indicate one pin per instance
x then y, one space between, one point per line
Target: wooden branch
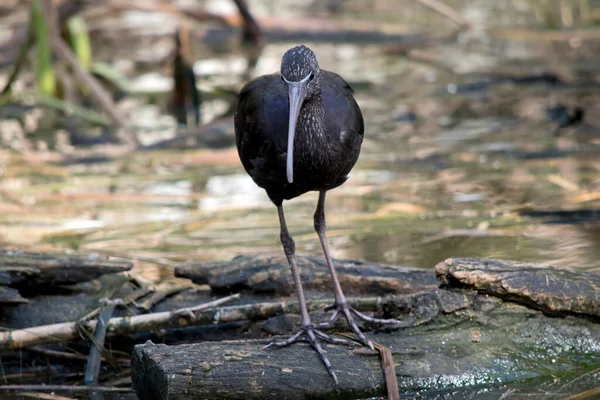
555 290
98 93
66 331
63 388
92 370
270 273
43 396
160 293
189 316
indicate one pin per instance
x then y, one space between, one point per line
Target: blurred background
482 129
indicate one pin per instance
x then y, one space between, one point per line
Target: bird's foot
350 313
313 337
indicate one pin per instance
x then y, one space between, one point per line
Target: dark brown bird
297 131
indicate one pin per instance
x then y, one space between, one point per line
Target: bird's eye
311 77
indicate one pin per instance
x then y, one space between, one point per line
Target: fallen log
10 296
554 290
55 269
271 273
454 341
451 340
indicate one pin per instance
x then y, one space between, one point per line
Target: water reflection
232 191
458 144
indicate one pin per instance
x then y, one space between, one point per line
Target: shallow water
451 165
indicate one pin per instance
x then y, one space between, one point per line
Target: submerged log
271 273
454 341
55 269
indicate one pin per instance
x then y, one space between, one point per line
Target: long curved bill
296 94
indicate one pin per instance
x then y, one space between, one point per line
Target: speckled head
300 72
298 63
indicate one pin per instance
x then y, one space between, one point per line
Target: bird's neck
312 118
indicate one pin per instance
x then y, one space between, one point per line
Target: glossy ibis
297 131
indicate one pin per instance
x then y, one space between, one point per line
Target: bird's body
329 134
297 131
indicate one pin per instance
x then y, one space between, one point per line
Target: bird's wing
343 117
261 127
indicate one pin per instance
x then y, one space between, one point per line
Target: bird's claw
349 313
312 335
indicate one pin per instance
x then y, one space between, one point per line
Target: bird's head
300 72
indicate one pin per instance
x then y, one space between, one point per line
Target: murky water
458 160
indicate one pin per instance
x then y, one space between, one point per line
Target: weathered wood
555 290
12 275
271 273
450 341
10 296
66 331
192 316
56 269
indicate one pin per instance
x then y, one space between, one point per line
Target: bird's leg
308 332
341 304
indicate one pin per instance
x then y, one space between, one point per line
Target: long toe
372 320
351 315
313 336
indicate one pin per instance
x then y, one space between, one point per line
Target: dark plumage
297 131
329 133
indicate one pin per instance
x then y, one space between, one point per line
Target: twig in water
161 293
92 369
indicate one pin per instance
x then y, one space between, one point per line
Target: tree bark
554 290
54 269
449 341
271 273
455 342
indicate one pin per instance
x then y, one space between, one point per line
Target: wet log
554 290
19 267
271 274
459 341
12 275
470 339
